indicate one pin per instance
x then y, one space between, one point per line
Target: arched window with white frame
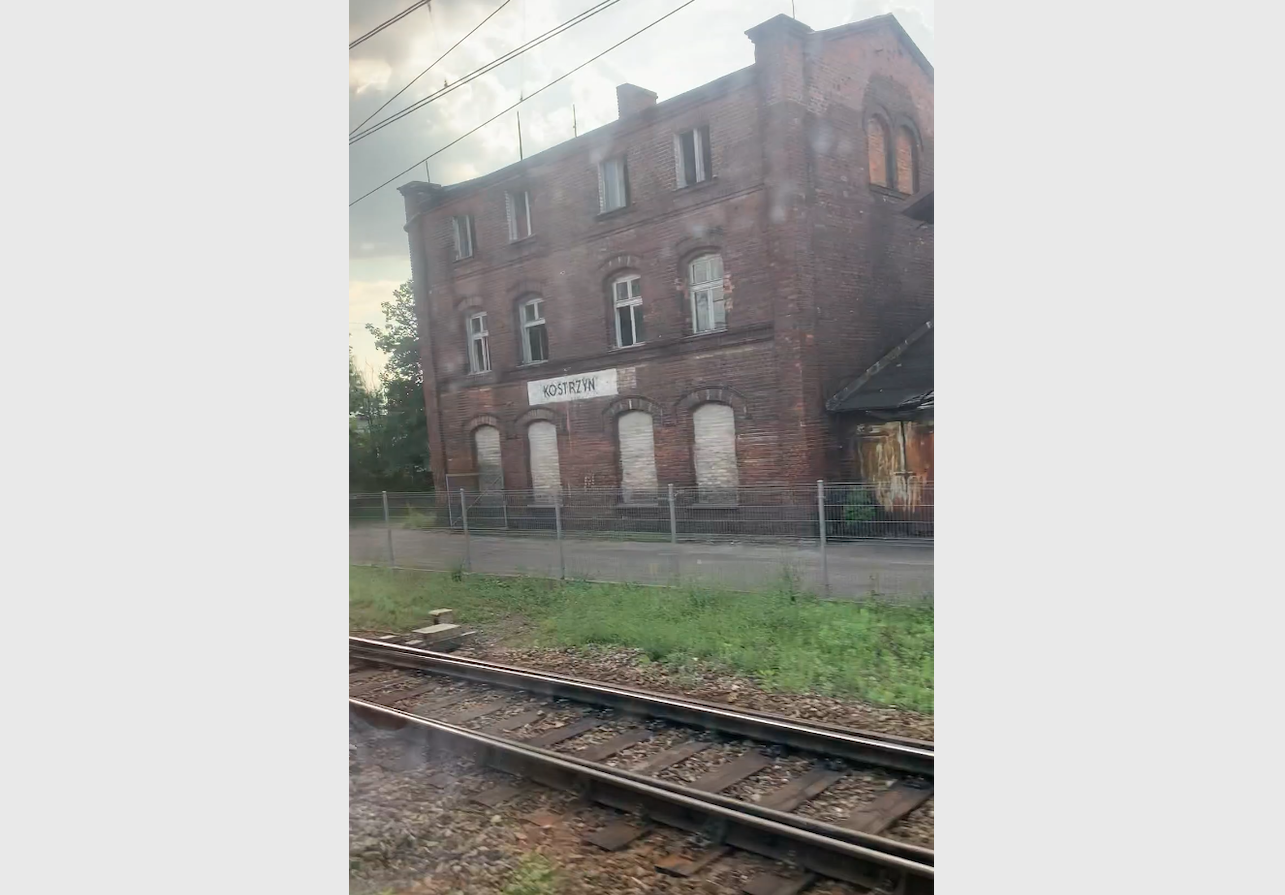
479 344
534 333
705 287
626 296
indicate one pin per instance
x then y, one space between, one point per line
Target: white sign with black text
578 387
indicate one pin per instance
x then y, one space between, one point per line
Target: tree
392 453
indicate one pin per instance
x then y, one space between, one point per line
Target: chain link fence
835 539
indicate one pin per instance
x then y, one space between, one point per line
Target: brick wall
820 272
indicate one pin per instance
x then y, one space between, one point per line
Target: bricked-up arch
627 403
483 419
906 159
487 457
540 413
714 452
719 394
879 150
636 450
543 460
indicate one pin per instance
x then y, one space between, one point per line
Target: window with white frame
518 205
705 284
692 159
626 294
462 226
535 337
479 348
613 184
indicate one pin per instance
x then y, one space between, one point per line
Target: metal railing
840 538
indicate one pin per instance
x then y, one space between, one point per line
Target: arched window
879 148
479 345
705 286
715 452
486 444
626 298
546 476
907 161
637 456
534 335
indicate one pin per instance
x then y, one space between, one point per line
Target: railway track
745 780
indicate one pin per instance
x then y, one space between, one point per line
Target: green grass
785 640
534 876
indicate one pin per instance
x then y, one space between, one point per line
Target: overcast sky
694 46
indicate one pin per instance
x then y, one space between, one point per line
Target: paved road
890 568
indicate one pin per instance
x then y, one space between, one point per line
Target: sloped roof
900 380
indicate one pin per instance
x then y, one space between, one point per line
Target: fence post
388 530
557 521
825 568
673 531
468 554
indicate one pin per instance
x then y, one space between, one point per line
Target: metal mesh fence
876 539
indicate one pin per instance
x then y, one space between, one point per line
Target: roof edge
848 390
731 81
875 22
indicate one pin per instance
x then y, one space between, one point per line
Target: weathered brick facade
821 274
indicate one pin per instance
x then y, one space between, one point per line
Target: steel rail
676 805
891 752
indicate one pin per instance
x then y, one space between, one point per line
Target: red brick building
673 297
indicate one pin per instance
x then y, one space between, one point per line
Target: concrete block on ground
437 633
442 616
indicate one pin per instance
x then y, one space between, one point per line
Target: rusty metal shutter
546 480
486 439
716 474
637 455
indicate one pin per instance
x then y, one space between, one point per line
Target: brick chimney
631 99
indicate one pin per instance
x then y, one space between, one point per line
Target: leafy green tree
389 450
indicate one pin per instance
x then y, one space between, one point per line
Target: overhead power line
425 71
678 8
394 20
478 72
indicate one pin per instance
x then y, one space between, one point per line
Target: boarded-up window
905 158
637 456
877 147
546 480
486 441
716 475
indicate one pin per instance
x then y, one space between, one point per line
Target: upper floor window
535 338
692 160
613 184
627 297
879 149
518 205
479 348
906 161
462 227
705 283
